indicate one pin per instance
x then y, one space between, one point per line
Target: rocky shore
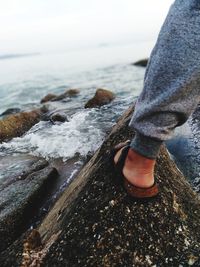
93 222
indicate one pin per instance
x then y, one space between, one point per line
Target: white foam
80 135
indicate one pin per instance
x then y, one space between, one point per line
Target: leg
172 81
171 90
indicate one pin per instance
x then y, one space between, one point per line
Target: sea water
24 81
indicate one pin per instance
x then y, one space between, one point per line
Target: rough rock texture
142 62
18 124
53 97
12 255
101 97
19 196
97 224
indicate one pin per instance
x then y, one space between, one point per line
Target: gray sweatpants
172 81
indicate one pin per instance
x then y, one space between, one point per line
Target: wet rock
141 63
53 97
10 111
33 240
44 109
68 93
32 243
97 224
18 124
72 92
12 255
21 195
58 117
60 97
101 97
9 257
48 98
54 116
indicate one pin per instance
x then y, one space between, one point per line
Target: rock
10 111
48 98
18 124
12 255
95 223
58 117
33 242
34 239
54 116
60 97
142 62
68 93
53 97
9 257
44 109
72 92
21 195
101 97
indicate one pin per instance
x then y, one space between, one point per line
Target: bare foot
138 169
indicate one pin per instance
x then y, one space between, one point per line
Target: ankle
137 161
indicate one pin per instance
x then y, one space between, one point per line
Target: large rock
21 192
18 124
95 223
101 97
142 62
12 255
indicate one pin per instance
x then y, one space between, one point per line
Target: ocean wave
81 135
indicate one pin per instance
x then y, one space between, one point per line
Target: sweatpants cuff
146 146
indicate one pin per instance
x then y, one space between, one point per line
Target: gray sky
54 25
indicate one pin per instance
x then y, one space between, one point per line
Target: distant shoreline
10 56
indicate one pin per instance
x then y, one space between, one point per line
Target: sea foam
81 135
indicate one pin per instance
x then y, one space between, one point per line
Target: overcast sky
54 25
